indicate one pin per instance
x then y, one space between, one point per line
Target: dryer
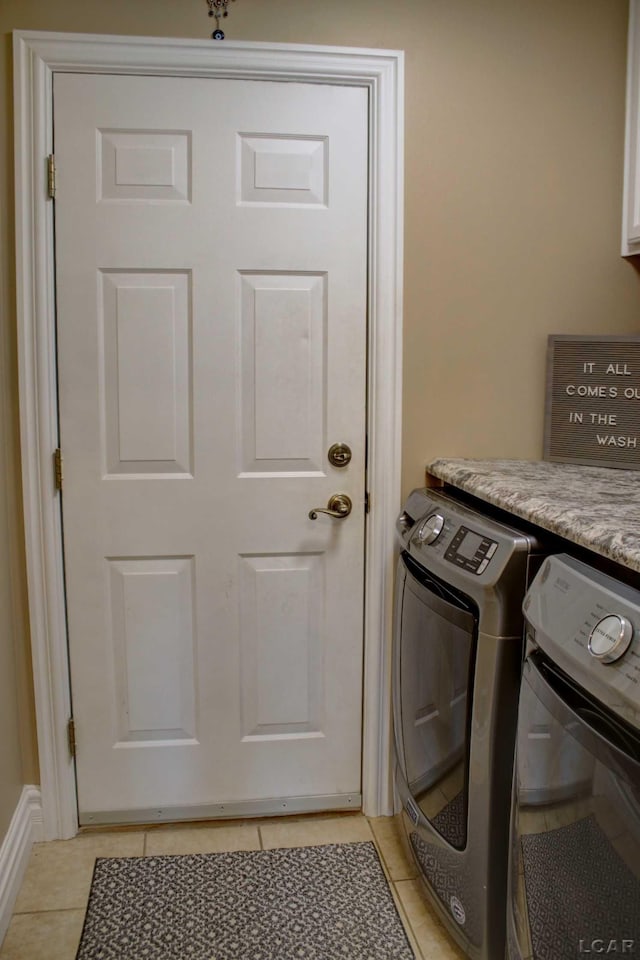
458 648
574 875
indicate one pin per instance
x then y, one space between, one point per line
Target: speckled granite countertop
595 507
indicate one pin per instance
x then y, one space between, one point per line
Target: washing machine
457 658
574 873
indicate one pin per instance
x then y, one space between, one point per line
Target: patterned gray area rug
307 903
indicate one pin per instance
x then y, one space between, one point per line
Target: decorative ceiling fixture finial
218 9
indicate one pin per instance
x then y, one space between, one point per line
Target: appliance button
610 638
483 566
431 528
492 549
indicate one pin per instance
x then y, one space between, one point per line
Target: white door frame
37 56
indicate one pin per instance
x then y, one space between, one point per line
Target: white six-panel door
211 304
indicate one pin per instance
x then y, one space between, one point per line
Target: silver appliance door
436 629
574 872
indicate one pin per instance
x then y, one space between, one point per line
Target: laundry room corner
218 267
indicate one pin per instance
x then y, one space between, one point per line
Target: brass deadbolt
339 454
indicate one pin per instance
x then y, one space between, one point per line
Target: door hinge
367 502
71 736
51 176
57 468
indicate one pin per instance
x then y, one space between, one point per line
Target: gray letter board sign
592 413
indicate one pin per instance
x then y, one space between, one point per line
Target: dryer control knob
610 638
431 528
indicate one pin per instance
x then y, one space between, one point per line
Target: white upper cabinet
631 203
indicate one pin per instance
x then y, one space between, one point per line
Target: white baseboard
26 828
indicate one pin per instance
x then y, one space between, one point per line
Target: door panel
281 636
151 609
146 375
211 283
284 333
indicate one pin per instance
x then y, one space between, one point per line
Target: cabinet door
631 202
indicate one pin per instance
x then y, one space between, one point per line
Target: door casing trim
37 55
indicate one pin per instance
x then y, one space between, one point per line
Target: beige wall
11 770
514 140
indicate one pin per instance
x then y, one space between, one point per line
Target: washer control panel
610 638
470 550
431 528
589 624
464 547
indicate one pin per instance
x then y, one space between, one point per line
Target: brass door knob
339 507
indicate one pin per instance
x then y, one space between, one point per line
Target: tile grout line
393 884
405 919
414 943
34 913
402 913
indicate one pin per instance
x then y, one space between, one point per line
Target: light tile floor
49 912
